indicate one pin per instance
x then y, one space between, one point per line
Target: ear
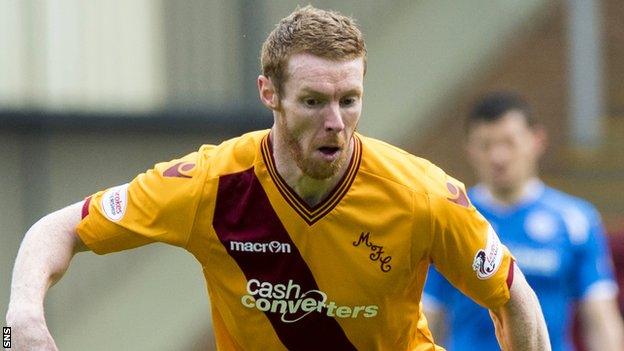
268 93
470 150
469 145
541 139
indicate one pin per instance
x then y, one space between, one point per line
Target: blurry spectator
557 239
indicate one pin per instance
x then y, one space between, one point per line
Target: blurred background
94 92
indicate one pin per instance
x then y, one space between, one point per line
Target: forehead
307 71
510 124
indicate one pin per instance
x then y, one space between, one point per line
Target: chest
358 252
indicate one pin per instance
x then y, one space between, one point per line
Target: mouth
329 153
329 150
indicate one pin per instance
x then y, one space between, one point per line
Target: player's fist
29 331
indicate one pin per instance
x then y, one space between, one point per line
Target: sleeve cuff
601 290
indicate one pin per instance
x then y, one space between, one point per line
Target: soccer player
557 239
311 236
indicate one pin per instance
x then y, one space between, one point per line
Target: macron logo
249 246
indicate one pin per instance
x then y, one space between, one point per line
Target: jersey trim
243 213
510 273
314 213
85 207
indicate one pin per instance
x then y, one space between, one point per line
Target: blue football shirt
559 244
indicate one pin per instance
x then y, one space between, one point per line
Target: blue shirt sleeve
592 254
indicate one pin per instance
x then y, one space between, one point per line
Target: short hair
493 106
323 33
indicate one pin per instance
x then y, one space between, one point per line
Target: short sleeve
594 276
465 249
156 206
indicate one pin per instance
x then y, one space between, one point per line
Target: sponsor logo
460 197
249 246
377 252
115 201
176 170
487 261
293 304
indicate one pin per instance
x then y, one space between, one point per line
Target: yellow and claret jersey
345 274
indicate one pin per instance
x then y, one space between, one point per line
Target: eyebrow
309 90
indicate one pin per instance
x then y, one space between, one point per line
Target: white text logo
248 246
293 304
115 201
487 261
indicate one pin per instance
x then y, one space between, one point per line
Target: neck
311 190
507 197
512 195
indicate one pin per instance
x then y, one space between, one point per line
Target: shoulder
392 164
578 215
233 155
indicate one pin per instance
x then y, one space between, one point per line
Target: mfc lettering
377 252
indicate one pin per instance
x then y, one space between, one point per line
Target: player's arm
467 251
434 299
43 258
602 324
520 323
437 322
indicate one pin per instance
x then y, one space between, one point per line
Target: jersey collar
311 214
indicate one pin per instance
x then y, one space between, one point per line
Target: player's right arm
437 322
156 206
435 300
43 258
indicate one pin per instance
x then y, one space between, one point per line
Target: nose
498 155
333 118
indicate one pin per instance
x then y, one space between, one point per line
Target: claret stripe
243 213
313 214
85 207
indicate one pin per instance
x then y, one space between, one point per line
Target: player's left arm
467 251
519 323
602 324
435 302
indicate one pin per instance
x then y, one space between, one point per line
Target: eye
349 101
311 102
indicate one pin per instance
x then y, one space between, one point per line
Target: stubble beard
315 169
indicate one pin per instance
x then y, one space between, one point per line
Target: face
505 153
318 111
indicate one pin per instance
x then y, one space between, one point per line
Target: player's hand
29 331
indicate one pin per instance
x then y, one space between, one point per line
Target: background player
557 239
310 236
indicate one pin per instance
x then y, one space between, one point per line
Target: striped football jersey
344 274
